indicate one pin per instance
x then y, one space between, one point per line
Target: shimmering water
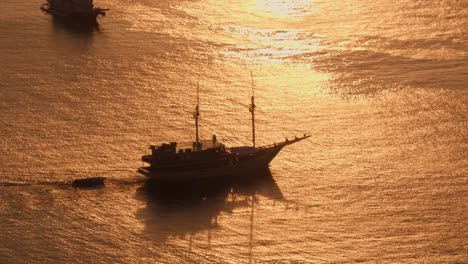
381 86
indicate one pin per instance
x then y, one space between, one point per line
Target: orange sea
382 87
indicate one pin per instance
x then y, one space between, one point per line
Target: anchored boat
89 182
79 11
209 159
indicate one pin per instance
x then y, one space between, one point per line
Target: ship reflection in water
80 28
183 211
83 29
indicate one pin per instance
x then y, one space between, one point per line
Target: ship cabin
172 156
71 5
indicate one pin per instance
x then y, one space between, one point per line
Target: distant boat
76 11
89 182
210 159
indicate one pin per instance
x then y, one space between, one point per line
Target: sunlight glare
285 8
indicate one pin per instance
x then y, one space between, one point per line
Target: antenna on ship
252 110
196 115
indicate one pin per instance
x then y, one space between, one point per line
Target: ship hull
243 166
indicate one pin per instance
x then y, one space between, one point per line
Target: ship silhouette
74 11
210 159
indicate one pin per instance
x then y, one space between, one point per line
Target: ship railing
286 142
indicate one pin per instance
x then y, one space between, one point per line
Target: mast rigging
252 109
196 115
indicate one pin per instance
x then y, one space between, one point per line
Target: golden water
380 85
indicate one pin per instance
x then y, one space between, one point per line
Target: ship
210 159
75 11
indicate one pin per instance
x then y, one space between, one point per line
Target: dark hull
89 182
243 166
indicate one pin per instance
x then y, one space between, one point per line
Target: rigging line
239 103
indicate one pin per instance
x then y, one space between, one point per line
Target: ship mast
196 115
252 110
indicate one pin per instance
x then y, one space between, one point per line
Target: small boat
209 159
89 182
75 11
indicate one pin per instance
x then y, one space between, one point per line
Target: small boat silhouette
89 182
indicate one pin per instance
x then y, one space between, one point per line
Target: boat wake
50 183
77 182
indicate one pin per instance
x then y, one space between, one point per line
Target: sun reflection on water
271 45
285 8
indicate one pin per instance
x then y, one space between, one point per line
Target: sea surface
382 87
